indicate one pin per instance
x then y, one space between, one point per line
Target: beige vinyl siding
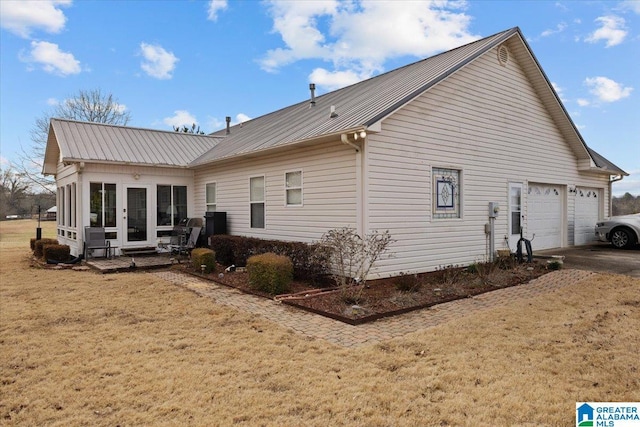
329 188
487 121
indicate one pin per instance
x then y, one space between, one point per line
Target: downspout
611 181
360 183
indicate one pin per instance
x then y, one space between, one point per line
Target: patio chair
95 238
183 240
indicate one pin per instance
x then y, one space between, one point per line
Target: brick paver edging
336 332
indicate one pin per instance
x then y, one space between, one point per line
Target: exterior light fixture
363 134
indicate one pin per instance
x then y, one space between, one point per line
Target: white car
622 231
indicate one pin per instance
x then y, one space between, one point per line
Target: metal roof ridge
126 127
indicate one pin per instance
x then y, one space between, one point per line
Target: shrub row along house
420 151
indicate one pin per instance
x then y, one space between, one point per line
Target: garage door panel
587 213
544 215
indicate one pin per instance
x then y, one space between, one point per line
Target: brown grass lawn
79 348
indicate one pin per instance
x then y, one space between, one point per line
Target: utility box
494 208
216 223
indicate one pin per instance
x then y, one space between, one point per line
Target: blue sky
172 63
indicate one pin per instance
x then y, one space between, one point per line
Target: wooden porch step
147 250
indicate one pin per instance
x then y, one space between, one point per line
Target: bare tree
86 105
13 189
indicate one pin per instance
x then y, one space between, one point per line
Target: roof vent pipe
312 88
228 119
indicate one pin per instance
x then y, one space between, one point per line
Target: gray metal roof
360 106
96 142
357 106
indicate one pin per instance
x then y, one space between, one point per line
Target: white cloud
336 79
355 36
157 61
180 118
52 59
215 6
583 102
561 6
633 5
52 102
559 28
23 16
611 30
214 123
241 117
607 90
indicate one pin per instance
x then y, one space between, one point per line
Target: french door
136 219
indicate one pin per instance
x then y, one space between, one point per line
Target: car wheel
622 238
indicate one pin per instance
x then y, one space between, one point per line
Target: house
51 214
420 151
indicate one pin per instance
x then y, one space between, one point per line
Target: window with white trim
293 188
446 193
102 204
210 196
256 200
172 204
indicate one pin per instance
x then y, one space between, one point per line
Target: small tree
193 129
352 257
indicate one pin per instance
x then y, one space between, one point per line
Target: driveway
601 257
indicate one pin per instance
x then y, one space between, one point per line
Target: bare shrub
407 282
449 274
352 257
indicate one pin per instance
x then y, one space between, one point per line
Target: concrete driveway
601 257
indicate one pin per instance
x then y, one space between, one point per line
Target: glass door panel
136 214
515 214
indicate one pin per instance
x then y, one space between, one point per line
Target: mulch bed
392 296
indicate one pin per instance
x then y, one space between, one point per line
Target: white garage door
544 216
587 214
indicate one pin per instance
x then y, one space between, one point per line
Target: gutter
345 140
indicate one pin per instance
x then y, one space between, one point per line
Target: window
210 197
446 193
293 188
68 208
62 205
172 204
102 204
256 198
73 205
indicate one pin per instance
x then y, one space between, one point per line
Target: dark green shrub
203 256
310 262
57 253
554 265
472 268
270 273
39 245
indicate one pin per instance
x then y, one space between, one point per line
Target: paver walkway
316 326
